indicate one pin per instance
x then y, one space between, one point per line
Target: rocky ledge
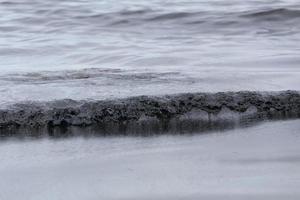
151 113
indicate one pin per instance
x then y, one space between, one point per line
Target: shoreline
146 114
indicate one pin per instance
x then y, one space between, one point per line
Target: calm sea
91 49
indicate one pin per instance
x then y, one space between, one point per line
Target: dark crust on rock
66 113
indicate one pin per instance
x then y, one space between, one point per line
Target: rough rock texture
146 113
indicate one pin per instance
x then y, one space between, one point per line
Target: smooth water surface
261 162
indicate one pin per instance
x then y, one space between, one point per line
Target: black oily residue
191 111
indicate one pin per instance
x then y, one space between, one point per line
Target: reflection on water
260 162
145 129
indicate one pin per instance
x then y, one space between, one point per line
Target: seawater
81 49
261 162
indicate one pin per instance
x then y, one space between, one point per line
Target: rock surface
151 113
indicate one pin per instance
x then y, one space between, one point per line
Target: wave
63 19
274 14
208 16
83 74
145 16
224 22
171 16
137 17
144 114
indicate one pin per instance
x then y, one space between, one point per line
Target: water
92 49
261 162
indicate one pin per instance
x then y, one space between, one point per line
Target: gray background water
83 49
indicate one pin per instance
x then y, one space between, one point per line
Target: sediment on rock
147 113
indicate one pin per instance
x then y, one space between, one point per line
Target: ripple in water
91 49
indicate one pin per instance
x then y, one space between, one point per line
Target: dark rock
146 112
